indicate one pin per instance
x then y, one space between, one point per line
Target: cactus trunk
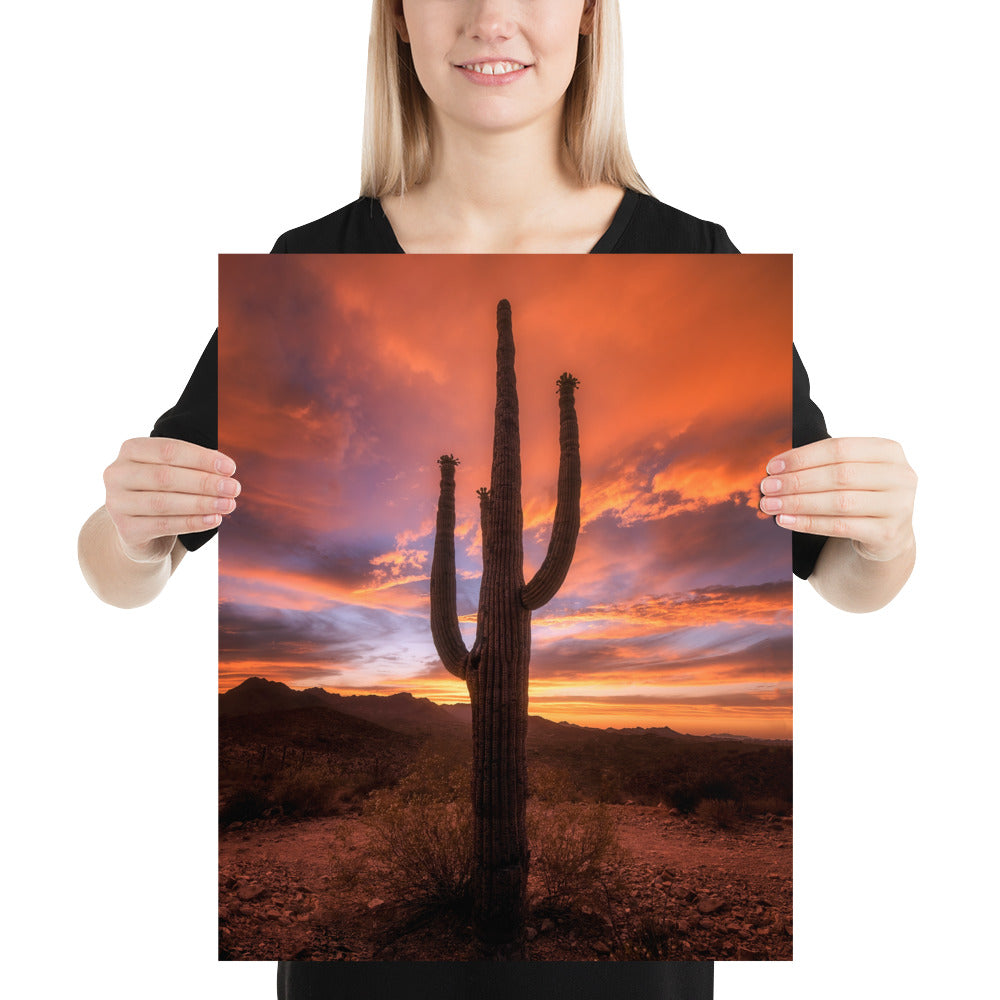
496 670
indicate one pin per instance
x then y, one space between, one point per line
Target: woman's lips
500 75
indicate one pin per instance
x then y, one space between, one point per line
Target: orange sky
344 377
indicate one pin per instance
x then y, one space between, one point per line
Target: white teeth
494 69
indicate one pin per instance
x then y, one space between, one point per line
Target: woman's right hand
159 488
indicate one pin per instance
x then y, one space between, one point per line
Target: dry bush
421 841
574 848
767 804
242 804
311 790
646 939
723 814
549 783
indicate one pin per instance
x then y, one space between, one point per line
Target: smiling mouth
492 68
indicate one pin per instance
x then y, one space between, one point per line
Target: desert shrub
421 829
764 804
573 847
647 939
690 789
306 791
611 788
723 814
313 790
548 783
243 804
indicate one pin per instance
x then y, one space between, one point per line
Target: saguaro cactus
496 668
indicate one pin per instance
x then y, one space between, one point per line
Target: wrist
900 550
152 553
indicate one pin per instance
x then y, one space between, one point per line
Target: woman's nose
490 20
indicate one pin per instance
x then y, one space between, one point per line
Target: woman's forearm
853 583
113 576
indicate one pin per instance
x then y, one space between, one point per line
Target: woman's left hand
856 488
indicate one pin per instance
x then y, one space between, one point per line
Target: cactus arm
484 514
444 605
566 525
477 647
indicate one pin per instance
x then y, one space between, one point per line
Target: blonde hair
396 144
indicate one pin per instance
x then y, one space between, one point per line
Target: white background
142 140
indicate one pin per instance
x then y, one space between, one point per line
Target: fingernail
775 466
225 466
770 485
222 505
771 504
211 519
229 487
786 520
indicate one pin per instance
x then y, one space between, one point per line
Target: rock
588 910
601 948
530 933
712 905
547 925
683 926
249 892
705 924
235 825
373 904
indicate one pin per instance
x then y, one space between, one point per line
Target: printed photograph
505 643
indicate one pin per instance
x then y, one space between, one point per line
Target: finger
833 451
877 538
135 531
866 530
841 503
159 504
875 476
173 452
142 477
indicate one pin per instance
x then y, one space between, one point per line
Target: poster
505 645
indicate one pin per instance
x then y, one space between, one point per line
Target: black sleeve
721 243
808 425
195 416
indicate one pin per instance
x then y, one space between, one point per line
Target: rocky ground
687 891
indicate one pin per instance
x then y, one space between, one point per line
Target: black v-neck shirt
641 224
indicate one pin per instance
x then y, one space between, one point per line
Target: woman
496 127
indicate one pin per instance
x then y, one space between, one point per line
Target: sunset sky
344 377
